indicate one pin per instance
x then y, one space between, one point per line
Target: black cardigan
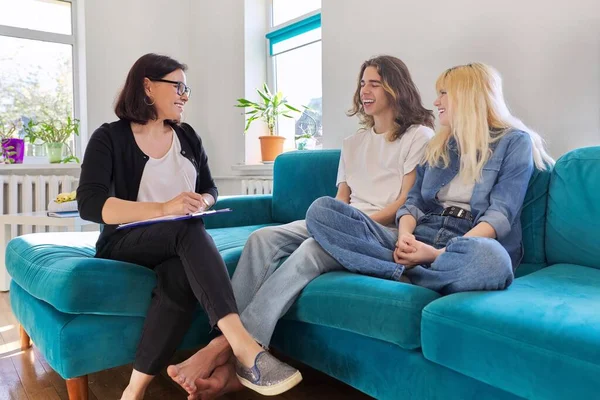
113 165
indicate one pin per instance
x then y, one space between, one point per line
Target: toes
173 371
190 387
203 384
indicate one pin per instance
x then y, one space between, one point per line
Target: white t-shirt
456 193
166 177
374 167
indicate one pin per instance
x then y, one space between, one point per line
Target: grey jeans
263 292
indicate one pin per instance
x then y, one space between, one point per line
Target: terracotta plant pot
271 147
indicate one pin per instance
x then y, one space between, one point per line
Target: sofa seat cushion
539 339
377 308
59 269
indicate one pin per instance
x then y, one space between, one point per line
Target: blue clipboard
151 221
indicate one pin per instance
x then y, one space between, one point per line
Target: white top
374 167
166 177
456 193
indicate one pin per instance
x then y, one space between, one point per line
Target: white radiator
257 186
20 194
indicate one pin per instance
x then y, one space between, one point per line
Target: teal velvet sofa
540 339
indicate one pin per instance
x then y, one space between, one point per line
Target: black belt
457 212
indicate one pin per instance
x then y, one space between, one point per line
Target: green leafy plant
51 132
268 109
6 132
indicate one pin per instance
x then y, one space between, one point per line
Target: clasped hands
411 252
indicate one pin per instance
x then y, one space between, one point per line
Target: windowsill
253 169
39 167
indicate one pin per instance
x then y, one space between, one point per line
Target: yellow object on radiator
64 197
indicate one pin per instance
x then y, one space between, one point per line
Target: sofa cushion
247 210
300 177
526 269
59 268
378 308
533 217
573 219
539 339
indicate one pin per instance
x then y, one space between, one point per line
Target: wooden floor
25 375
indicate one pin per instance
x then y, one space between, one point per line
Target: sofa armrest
247 210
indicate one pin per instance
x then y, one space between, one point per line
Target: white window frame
76 39
271 67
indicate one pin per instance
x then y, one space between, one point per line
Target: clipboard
169 218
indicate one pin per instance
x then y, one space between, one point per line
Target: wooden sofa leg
25 339
78 388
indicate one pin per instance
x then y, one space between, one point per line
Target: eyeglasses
181 87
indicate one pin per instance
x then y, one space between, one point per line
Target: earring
151 104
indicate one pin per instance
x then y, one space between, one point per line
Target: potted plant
13 148
268 109
54 134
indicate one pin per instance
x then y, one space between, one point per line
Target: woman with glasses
145 165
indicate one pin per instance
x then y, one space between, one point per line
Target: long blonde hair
479 117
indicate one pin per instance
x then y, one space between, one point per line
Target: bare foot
201 364
223 380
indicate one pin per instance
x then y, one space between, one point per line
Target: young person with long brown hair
376 172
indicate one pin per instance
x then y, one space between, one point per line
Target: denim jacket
497 198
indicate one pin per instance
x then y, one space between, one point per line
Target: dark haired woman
145 165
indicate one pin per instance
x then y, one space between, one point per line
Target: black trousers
189 270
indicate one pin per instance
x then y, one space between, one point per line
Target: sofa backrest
300 177
533 217
573 221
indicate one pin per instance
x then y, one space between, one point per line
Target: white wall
117 33
547 52
216 76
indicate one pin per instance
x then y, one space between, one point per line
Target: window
38 63
294 42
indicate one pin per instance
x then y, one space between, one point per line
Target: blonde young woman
459 229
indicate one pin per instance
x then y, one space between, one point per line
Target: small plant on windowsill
12 147
268 109
55 135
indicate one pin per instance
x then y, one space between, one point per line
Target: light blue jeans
264 292
366 247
